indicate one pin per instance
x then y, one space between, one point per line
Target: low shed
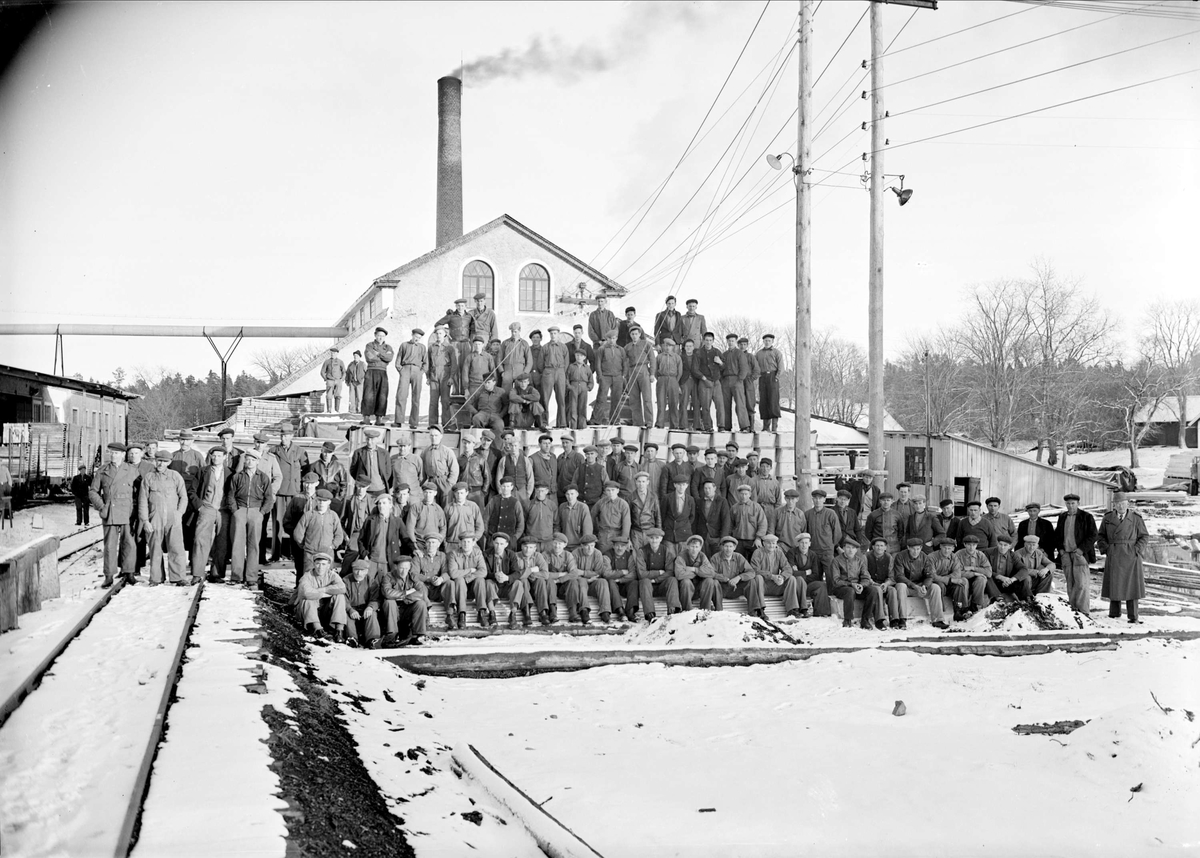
964 470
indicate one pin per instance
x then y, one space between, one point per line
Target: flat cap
224 431
848 543
945 502
768 336
420 332
819 493
522 377
541 484
162 456
480 296
357 352
913 541
566 438
514 326
791 493
372 433
590 448
695 538
770 538
507 478
842 493
460 485
1032 537
460 300
287 429
1033 505
328 447
650 445
361 563
324 494
732 444
381 329
135 445
433 427
187 435
692 448
887 495
323 555
546 436
992 499
611 484
652 532
619 540
681 479
587 539
881 539
261 437
728 540
116 445
631 448
429 486
1004 537
501 535
404 558
249 454
553 329
970 538
1071 496
745 487
559 536
973 503
678 446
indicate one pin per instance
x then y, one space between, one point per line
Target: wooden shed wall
1013 479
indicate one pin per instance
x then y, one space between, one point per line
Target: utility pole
875 288
803 395
928 434
875 404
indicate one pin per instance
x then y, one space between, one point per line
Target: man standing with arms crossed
1075 539
600 322
356 372
375 383
410 363
290 459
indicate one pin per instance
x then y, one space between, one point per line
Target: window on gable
534 289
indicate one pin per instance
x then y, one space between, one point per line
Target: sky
262 163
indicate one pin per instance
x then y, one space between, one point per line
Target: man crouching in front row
320 599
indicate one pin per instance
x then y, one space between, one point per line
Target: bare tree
1068 334
1172 343
280 363
929 373
995 340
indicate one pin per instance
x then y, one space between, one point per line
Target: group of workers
375 540
672 375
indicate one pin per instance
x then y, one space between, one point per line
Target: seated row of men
389 579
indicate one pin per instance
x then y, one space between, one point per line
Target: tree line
1034 359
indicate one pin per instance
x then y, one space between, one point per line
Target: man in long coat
1122 537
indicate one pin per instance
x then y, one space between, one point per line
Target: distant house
1164 421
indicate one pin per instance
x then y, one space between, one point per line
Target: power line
1045 73
842 45
1072 146
1047 107
888 52
707 113
1003 50
1175 13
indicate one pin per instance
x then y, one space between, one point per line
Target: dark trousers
577 396
668 403
439 400
733 398
1131 609
83 511
687 404
869 597
705 401
409 384
819 595
554 381
119 550
375 394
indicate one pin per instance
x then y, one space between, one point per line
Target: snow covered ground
213 765
1152 462
805 756
56 519
69 755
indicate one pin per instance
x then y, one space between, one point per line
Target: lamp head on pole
775 162
902 193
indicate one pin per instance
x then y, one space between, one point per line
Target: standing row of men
672 375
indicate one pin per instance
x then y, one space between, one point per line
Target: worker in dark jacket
864 494
611 366
372 463
707 364
375 383
848 518
667 323
81 486
403 603
827 534
639 367
291 460
362 605
1040 528
735 370
356 372
1075 544
600 322
249 498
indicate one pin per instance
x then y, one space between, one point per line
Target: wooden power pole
803 394
875 404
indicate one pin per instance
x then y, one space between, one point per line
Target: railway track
126 712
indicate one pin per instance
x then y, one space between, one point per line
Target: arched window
534 289
477 277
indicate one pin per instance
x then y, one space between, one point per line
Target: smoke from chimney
550 57
449 161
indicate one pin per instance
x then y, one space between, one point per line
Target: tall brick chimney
449 161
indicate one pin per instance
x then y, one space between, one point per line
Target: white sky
262 163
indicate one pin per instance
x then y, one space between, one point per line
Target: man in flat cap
751 382
610 516
974 525
162 502
623 571
693 569
478 366
362 605
639 365
827 534
600 322
320 599
515 357
535 358
250 499
624 326
356 374
403 604
514 479
1039 527
371 462
524 404
439 463
81 485
769 364
467 572
1001 521
913 567
291 460
210 501
318 531
333 373
509 575
707 363
1037 563
611 366
668 371
852 581
375 383
569 466
354 515
692 325
1075 541
483 320
735 372
554 363
667 323
458 324
333 473
656 575
972 566
579 383
713 519
410 364
1009 574
864 493
443 372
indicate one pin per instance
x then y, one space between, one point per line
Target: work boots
512 618
585 616
491 619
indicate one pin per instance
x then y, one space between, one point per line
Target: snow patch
722 629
